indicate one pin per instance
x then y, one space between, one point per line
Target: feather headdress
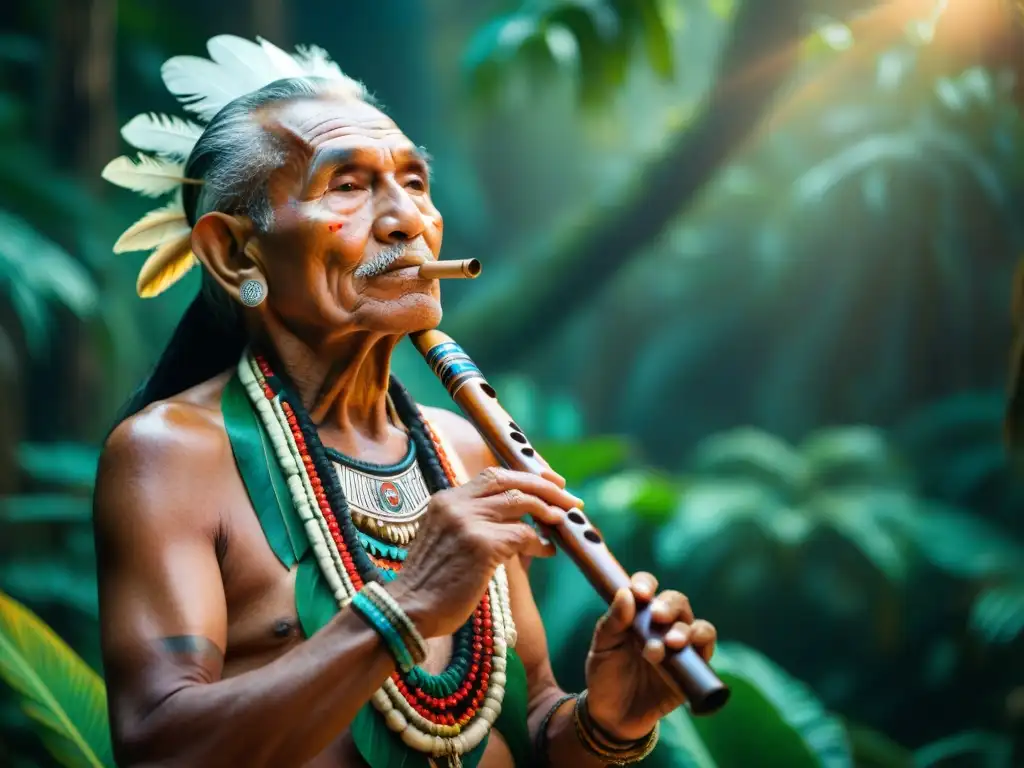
235 68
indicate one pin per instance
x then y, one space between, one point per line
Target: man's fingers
703 636
616 622
513 505
527 543
670 606
495 481
550 474
644 586
678 636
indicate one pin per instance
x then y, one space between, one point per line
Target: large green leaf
63 696
680 745
776 715
770 720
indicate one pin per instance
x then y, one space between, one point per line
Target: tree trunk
81 118
81 129
538 292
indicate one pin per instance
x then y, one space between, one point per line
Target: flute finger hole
488 390
576 517
515 426
519 437
527 451
592 536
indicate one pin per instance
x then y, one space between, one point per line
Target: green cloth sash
379 746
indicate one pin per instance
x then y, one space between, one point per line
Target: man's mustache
380 263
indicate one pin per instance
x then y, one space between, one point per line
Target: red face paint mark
333 227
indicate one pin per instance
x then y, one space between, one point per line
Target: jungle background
748 275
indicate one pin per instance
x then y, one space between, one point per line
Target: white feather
202 86
316 62
245 60
282 63
148 176
165 135
154 229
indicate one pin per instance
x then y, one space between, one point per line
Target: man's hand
466 533
627 695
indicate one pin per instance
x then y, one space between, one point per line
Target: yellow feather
164 267
155 228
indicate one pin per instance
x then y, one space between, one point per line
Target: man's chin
411 313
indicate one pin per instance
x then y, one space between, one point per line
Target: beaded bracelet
411 636
600 744
541 746
385 628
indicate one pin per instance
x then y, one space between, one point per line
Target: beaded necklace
445 715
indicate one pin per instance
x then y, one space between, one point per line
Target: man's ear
225 246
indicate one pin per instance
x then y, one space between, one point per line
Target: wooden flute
575 534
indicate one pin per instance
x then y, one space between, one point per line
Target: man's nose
399 220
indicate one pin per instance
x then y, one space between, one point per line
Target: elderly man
293 571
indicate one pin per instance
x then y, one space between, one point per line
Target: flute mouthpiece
445 270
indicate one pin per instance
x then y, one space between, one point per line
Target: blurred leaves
35 272
64 464
777 715
925 175
747 483
578 462
971 749
45 508
862 230
591 39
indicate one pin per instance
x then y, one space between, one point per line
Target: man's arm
563 746
164 621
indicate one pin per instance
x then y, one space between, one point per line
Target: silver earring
252 293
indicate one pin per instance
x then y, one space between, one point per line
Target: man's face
353 219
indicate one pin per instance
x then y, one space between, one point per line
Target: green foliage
782 722
972 749
35 272
64 698
796 547
593 41
872 167
64 464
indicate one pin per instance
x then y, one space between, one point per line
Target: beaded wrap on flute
445 715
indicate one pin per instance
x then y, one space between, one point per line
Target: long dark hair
234 158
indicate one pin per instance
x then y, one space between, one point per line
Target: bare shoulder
155 463
464 438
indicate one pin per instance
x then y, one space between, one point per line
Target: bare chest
260 597
263 623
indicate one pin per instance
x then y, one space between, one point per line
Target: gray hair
235 157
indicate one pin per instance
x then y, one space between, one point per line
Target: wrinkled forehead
330 130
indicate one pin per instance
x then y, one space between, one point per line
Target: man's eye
416 184
347 186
